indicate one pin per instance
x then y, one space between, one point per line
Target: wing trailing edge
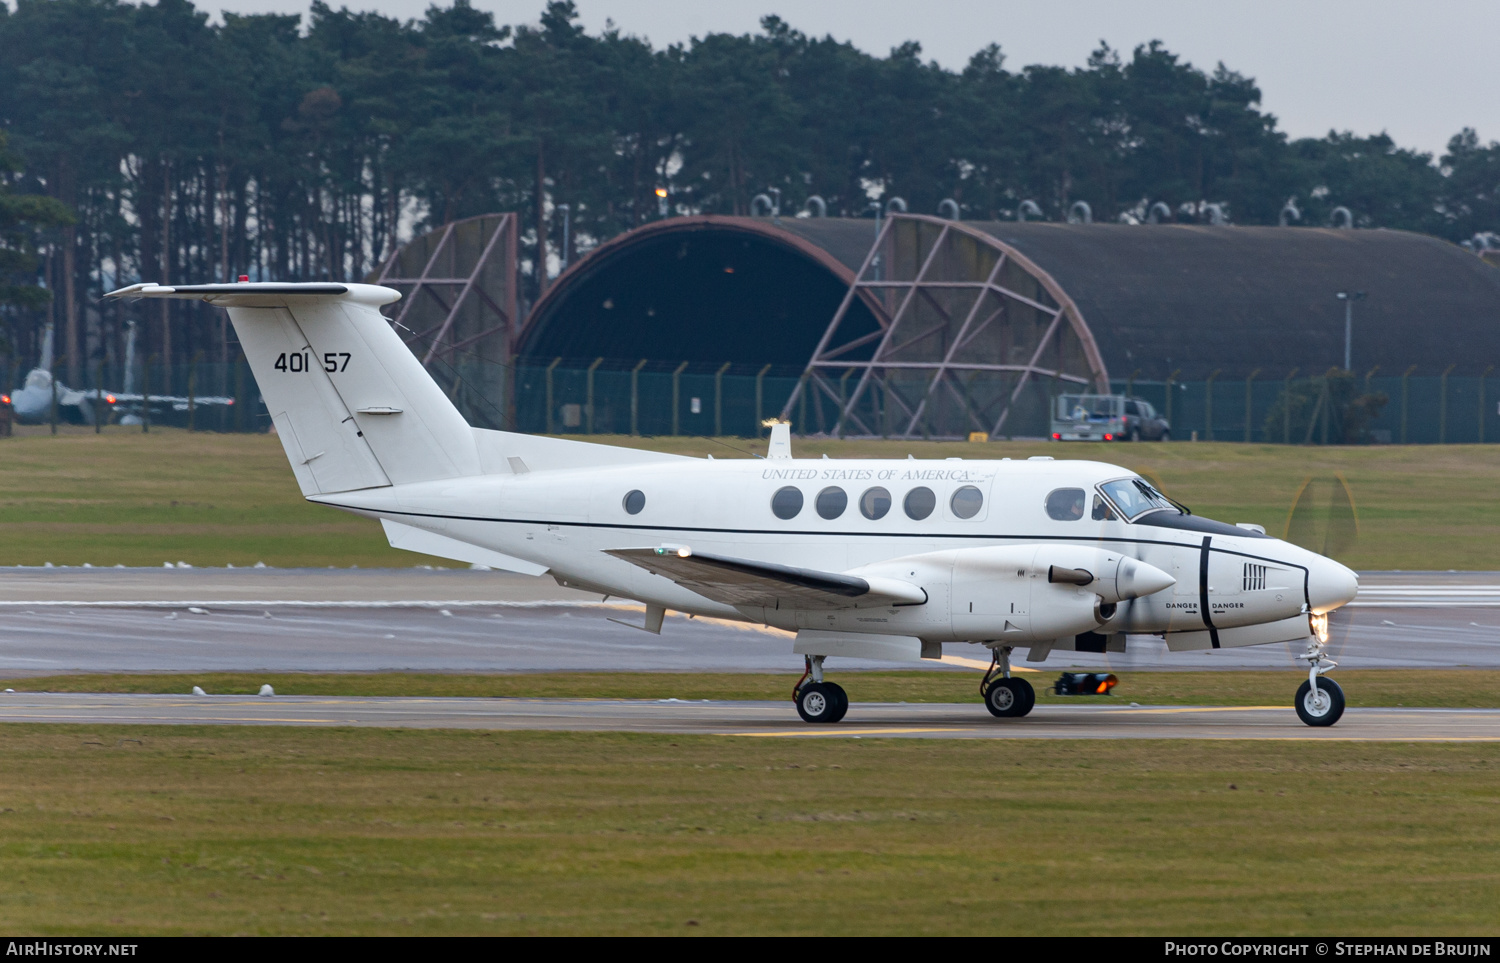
739 581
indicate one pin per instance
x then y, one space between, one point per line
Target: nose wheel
1321 706
1005 696
1319 701
817 700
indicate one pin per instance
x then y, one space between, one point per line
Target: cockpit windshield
1134 497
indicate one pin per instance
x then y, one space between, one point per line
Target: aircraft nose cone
1137 579
1330 585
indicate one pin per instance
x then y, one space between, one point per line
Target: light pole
1349 297
567 213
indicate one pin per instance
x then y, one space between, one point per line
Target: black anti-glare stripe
1208 622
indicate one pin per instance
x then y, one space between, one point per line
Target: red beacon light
110 398
4 399
244 279
1108 436
1057 436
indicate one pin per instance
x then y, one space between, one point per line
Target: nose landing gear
819 701
1319 702
1004 696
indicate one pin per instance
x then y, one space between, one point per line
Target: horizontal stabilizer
260 294
738 581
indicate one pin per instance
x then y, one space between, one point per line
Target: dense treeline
288 151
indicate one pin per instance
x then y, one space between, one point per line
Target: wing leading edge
739 581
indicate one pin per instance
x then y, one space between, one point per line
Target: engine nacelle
1016 593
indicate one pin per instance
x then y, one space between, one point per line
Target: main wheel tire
840 701
1324 709
816 703
1007 698
1028 694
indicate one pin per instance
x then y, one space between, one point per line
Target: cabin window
787 502
831 502
919 503
966 502
1066 504
634 502
874 503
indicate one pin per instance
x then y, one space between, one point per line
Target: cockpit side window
1102 511
1065 504
1134 497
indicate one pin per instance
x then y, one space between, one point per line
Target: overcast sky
1418 70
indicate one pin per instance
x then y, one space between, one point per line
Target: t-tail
354 408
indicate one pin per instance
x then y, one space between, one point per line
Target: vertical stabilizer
46 361
353 406
129 386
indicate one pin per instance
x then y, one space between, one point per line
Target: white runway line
1419 596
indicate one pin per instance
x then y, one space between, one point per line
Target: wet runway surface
342 620
751 719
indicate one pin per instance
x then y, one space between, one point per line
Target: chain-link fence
678 398
1331 408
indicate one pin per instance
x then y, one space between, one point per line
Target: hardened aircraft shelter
921 326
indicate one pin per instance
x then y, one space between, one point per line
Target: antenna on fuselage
780 445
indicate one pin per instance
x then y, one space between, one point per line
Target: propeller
1323 519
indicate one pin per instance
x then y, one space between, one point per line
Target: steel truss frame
499 317
458 305
918 333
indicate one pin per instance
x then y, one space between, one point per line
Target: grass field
293 831
1363 687
133 499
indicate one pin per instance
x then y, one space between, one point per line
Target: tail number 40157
303 361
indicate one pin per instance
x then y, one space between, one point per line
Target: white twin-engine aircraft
866 559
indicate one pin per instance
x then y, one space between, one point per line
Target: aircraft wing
739 581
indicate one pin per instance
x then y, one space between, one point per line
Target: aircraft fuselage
1226 578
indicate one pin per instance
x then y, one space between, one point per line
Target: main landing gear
1003 695
819 701
1319 702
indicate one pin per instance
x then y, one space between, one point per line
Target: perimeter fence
564 396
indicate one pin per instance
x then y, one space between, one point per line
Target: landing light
1085 683
1319 625
4 399
661 192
